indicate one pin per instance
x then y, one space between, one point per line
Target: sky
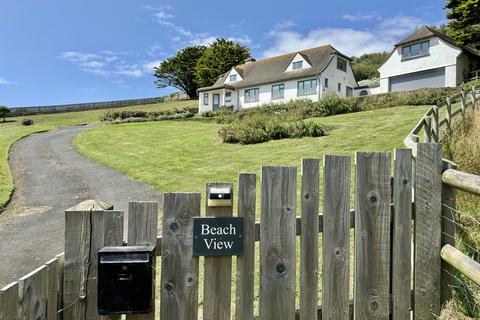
57 51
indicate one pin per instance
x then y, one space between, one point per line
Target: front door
216 102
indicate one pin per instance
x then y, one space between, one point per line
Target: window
297 65
339 87
416 50
216 101
341 64
363 93
307 87
252 95
228 97
233 77
277 91
205 99
326 83
349 91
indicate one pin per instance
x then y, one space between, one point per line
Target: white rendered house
306 74
427 59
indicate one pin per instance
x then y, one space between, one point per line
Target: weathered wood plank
448 231
33 294
309 239
435 124
9 302
53 287
336 237
402 234
218 270
428 128
462 181
448 115
372 235
428 230
77 258
247 191
142 231
277 243
61 265
179 288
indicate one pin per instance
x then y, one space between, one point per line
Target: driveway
51 176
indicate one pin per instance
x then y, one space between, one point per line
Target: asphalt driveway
51 176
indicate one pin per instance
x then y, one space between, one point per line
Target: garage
434 78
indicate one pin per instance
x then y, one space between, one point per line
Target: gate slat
53 286
309 239
372 236
32 292
246 263
9 302
142 231
218 270
428 232
336 237
402 234
179 281
277 243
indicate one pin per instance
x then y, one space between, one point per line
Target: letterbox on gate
125 279
219 197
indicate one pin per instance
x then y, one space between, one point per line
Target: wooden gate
297 264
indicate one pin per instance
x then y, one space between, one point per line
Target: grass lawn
174 156
12 130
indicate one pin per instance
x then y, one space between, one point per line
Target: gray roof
272 70
427 32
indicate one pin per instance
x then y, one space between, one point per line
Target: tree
219 58
366 66
3 112
179 71
464 25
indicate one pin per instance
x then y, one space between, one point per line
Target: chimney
250 60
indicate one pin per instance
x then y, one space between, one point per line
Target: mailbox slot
219 197
125 279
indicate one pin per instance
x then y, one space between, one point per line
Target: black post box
125 279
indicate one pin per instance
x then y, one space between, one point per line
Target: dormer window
297 65
233 78
416 50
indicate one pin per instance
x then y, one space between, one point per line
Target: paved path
51 176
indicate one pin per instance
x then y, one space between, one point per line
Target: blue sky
57 51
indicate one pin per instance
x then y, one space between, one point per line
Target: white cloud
359 17
350 41
4 82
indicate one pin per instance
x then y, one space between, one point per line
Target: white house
306 74
427 59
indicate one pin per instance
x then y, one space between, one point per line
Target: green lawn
182 156
12 131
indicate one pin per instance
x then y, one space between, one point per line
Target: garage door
426 79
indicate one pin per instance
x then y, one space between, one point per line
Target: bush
3 112
141 116
27 122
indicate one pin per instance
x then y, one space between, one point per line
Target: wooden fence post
277 243
448 231
372 235
218 270
402 234
448 115
33 294
247 192
309 239
142 231
435 128
428 128
179 280
336 237
428 230
474 97
9 302
54 285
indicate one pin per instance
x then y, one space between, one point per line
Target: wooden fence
381 247
25 111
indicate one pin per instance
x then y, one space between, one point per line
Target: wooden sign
222 236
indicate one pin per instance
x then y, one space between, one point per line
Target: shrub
3 112
27 122
141 116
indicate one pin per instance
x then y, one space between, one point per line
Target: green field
174 156
12 130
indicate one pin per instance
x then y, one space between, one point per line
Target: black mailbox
219 197
125 279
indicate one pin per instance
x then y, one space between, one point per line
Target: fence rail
24 111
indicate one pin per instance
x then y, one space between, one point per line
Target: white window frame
229 96
282 86
205 99
297 65
248 97
313 83
233 78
